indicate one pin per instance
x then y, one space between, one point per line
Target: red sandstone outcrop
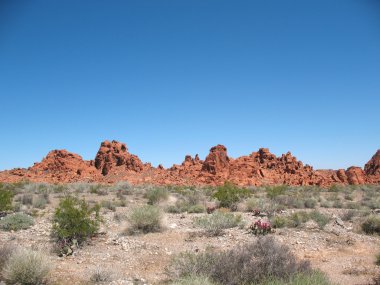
63 166
115 154
372 168
114 163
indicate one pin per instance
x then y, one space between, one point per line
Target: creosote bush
15 222
253 263
229 195
26 267
145 219
75 221
215 223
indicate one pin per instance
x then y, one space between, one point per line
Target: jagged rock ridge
114 163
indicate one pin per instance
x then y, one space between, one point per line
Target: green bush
6 197
250 263
15 222
215 223
26 267
274 191
196 209
156 195
371 225
145 219
75 220
229 195
319 218
279 222
302 217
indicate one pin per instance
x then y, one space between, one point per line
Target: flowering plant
260 228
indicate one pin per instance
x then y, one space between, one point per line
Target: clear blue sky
171 78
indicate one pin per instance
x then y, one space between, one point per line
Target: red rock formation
114 154
114 163
217 161
63 166
372 168
355 175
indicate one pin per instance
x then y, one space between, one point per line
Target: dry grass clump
26 267
100 275
215 223
251 263
145 219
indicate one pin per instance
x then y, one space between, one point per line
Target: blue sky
171 78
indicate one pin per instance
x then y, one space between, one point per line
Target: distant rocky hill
114 163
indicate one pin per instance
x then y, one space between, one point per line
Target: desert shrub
215 223
348 215
229 195
319 218
326 204
313 277
27 199
252 204
338 204
193 280
26 267
108 205
189 201
371 225
156 195
279 222
5 253
336 188
16 221
121 187
100 275
196 209
276 190
75 221
40 202
310 203
298 218
247 264
145 219
302 217
6 197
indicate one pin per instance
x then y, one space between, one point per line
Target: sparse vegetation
251 263
145 219
16 222
229 195
156 195
26 267
215 223
371 225
100 275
